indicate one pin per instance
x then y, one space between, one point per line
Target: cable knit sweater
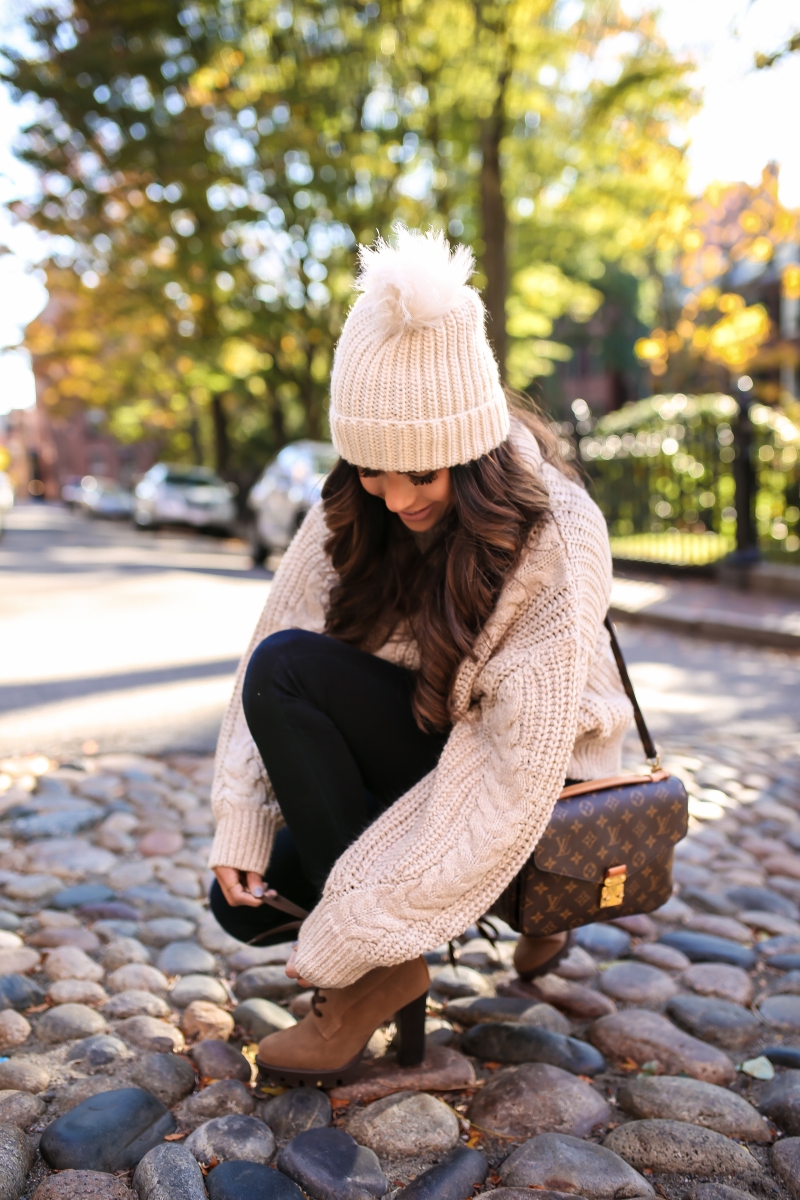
541 701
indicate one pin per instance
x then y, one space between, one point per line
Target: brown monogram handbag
608 849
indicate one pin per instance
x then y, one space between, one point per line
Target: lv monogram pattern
559 886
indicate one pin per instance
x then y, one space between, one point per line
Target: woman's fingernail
258 891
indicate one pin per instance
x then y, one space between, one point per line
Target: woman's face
420 501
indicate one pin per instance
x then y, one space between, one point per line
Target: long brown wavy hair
444 594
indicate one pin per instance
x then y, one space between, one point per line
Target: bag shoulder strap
648 745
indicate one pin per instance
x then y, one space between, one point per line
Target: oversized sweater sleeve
440 856
242 799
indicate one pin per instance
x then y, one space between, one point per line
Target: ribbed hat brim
422 445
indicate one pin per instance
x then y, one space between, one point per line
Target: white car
287 489
102 497
175 494
6 497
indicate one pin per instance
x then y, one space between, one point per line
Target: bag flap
623 825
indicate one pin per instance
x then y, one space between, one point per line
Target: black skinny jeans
336 732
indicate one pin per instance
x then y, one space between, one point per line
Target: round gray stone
328 1164
94 1053
785 1159
135 1003
170 1077
508 1042
469 1011
660 956
197 987
217 1060
138 977
20 1108
781 1012
16 1159
186 958
638 983
454 1176
250 1181
645 1037
716 1021
295 1111
265 983
150 1033
675 1098
24 1074
169 1172
217 1100
260 1017
122 951
559 1162
235 1136
109 1132
721 980
603 941
678 1148
163 930
780 1101
67 1021
406 1123
521 1102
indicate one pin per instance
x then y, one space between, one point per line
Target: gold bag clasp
613 889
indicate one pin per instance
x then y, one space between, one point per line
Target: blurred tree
208 169
538 135
723 306
790 46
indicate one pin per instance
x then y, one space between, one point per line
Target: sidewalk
706 609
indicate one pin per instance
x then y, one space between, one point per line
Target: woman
430 666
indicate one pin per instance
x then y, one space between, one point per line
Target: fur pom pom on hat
415 386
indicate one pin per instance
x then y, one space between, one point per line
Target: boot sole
292 1077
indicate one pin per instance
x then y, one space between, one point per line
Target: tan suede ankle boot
325 1048
537 955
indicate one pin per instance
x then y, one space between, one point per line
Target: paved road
131 640
108 634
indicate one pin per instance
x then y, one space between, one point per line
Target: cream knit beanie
415 386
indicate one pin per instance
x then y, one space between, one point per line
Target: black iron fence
670 473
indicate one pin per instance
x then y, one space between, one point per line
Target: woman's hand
291 970
242 887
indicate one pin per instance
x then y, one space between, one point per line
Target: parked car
101 497
175 494
285 492
71 490
6 497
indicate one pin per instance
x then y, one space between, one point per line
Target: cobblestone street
659 1055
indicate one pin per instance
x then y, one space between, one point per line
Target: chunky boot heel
411 1032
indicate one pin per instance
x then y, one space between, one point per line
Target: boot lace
316 1000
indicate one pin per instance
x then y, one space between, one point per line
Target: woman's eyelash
421 480
367 473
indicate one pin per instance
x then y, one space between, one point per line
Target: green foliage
207 172
664 467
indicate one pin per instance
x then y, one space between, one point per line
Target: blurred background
184 188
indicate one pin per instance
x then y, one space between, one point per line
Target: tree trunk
493 212
221 440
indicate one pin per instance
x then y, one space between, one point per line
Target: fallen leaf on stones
176 1137
758 1068
628 1064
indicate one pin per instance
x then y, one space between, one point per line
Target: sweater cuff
243 840
331 955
